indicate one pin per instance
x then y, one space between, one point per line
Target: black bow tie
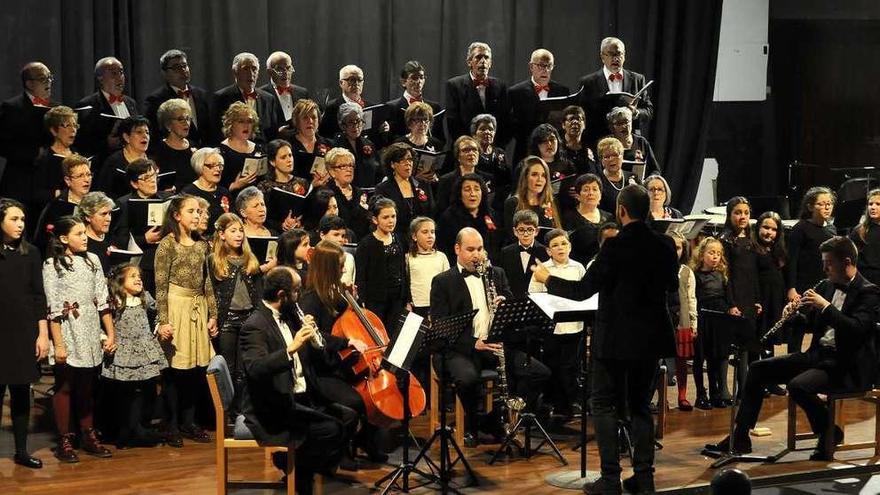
468 273
525 250
841 287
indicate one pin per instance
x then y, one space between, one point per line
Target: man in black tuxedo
841 313
632 274
176 73
279 67
279 403
518 258
612 77
351 82
412 78
460 290
525 97
101 110
246 72
471 94
22 133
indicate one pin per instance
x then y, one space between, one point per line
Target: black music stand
744 339
444 332
511 318
406 467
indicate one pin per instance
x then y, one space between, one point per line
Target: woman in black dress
469 208
574 122
208 165
636 148
411 197
584 221
353 138
614 178
308 147
95 212
240 124
493 161
25 334
134 133
48 176
533 192
173 153
770 247
867 239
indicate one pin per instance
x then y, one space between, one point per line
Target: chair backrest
218 369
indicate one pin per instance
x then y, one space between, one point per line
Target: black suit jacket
22 134
525 114
397 123
855 366
450 296
511 262
596 106
463 104
270 409
298 93
202 111
91 140
265 107
632 274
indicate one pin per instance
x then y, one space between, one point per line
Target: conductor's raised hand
541 273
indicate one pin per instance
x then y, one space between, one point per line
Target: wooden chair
222 391
488 378
834 403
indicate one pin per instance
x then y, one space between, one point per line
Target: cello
376 385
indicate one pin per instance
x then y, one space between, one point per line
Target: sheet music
405 340
551 304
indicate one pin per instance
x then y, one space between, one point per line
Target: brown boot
92 446
65 452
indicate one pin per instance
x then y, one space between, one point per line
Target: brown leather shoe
65 452
92 446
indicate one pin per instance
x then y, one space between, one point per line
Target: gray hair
170 55
275 56
99 65
246 195
90 204
477 44
166 111
483 118
241 58
618 112
347 109
541 54
659 177
349 68
198 158
609 41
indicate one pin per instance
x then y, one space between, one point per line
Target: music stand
511 318
444 332
744 339
402 373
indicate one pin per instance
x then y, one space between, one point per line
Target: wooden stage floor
191 470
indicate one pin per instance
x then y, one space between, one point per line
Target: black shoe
173 439
740 445
195 434
145 439
719 403
347 463
603 486
776 390
819 453
703 403
639 484
470 440
372 452
27 461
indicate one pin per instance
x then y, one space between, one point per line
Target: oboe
787 318
317 339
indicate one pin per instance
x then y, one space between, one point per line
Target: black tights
20 409
179 390
134 401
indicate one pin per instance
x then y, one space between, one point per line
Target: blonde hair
609 143
237 111
302 108
222 253
697 258
334 154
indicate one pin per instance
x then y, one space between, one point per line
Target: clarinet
512 404
317 339
796 314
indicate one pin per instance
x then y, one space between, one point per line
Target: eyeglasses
114 72
282 70
213 166
354 80
148 177
178 67
84 175
183 119
547 67
353 123
69 125
343 166
469 149
526 230
657 189
419 120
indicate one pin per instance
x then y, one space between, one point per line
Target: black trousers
563 353
617 382
20 411
526 378
806 373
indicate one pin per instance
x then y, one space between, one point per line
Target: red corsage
367 150
50 228
224 203
490 224
557 175
422 196
548 212
299 189
323 149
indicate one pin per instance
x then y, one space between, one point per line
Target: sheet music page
405 339
550 304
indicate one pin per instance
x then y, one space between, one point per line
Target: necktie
540 88
615 77
284 90
115 99
184 93
41 102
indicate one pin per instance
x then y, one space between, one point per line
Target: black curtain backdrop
673 42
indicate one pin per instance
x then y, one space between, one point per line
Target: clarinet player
459 290
841 312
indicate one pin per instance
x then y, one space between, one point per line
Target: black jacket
463 104
91 140
511 262
22 133
422 203
597 106
265 108
198 131
297 93
225 288
632 274
525 112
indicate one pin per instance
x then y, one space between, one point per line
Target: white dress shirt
119 109
477 292
286 101
616 86
543 94
837 300
572 270
299 381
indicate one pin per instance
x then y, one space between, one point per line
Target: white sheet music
405 340
551 304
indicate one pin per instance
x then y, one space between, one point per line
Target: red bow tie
360 102
249 96
115 99
481 82
414 99
41 102
615 77
284 90
184 93
539 88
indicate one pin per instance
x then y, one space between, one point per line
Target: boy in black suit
518 258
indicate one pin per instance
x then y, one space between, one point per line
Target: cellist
324 301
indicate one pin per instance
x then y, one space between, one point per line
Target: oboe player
841 313
459 290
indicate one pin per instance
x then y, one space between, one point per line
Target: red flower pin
422 196
70 309
224 203
299 189
548 211
367 150
323 148
639 155
489 223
